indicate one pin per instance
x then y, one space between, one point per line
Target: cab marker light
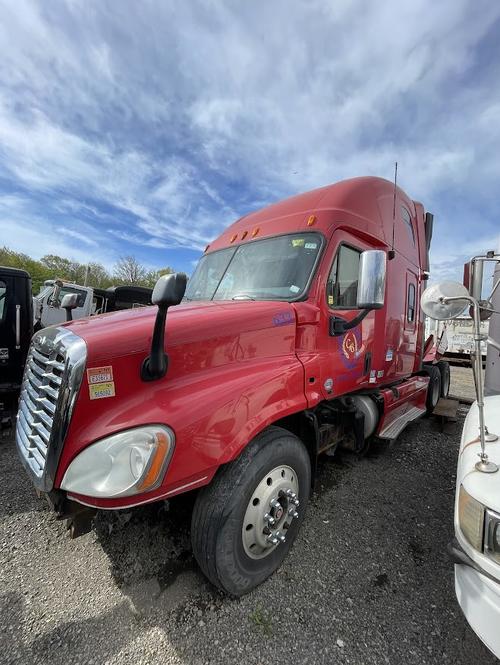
255 231
311 220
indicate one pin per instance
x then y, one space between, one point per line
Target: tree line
127 270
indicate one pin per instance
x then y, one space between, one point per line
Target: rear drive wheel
444 370
246 520
434 389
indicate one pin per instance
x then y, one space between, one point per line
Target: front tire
245 521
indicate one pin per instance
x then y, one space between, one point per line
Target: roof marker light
311 220
233 238
244 235
206 248
255 231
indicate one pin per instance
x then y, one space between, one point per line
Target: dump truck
299 332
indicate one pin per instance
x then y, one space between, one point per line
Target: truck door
16 326
351 360
409 341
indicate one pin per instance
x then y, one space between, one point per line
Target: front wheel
246 520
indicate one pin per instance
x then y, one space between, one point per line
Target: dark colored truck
16 329
299 332
16 326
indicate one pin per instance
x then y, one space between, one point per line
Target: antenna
395 185
392 253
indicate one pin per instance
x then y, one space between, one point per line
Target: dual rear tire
444 370
439 384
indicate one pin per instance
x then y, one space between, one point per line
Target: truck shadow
148 542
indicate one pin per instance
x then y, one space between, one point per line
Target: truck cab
90 301
47 308
299 332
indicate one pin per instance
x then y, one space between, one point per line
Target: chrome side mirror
371 279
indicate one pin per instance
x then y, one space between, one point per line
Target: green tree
98 276
152 276
38 271
51 266
129 271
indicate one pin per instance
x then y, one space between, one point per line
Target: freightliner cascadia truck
300 331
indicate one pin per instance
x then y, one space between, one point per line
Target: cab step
395 427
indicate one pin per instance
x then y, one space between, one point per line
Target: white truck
475 549
47 310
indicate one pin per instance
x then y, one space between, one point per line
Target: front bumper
78 518
478 595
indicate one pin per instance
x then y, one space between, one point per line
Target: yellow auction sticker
102 390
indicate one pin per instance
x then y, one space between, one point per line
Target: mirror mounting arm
339 326
169 291
156 364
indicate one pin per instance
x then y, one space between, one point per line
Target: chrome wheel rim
270 512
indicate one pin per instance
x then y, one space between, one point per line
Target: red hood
128 332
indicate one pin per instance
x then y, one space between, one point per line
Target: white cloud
165 121
22 229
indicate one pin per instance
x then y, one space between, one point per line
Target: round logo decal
350 345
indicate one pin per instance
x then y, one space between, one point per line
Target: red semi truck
299 331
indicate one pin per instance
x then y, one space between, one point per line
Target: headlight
492 535
471 519
130 462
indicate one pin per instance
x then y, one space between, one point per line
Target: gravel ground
368 580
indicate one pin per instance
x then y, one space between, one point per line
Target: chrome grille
51 381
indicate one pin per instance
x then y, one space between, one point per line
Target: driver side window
342 286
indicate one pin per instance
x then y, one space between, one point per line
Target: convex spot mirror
371 279
436 305
169 289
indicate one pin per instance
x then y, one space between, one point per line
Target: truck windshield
271 269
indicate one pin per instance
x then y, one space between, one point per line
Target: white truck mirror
69 303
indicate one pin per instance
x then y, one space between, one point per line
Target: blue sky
145 127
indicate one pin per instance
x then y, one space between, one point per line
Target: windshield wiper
242 296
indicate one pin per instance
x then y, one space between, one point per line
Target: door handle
18 326
368 363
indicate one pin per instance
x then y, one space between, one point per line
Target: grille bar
52 377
